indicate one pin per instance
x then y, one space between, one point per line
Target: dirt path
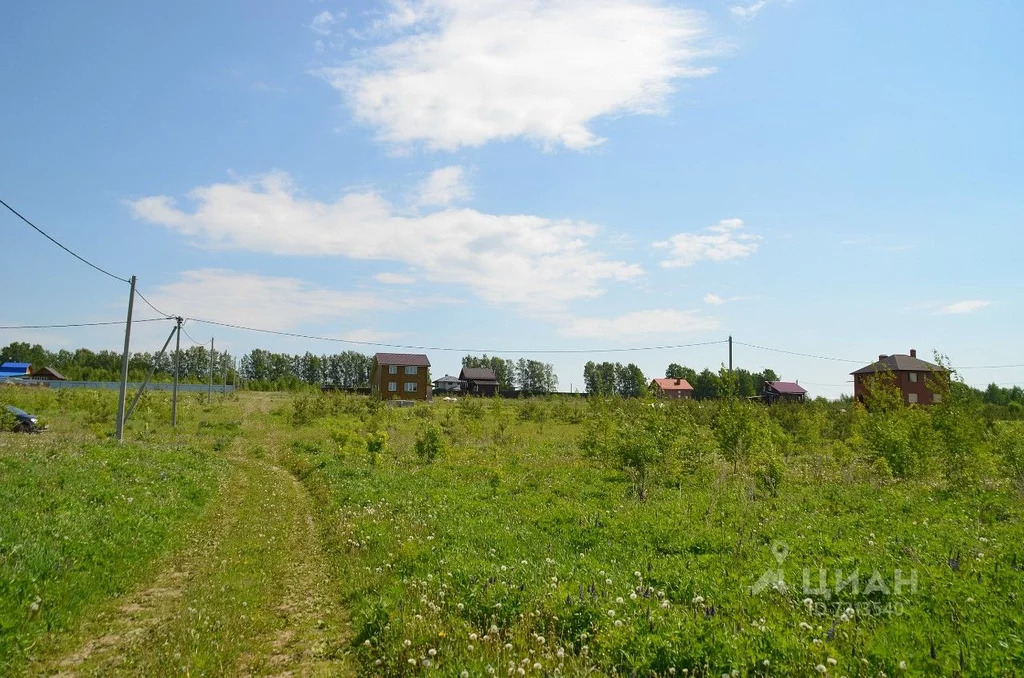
248 595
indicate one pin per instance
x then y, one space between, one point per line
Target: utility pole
119 429
177 365
209 389
730 354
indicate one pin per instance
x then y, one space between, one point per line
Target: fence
115 385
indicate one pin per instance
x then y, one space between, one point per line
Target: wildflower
560 652
464 674
808 602
618 622
540 639
432 652
608 582
619 600
366 643
493 629
805 626
407 642
697 600
632 596
521 671
903 666
850 612
820 668
470 648
419 617
460 606
472 636
508 646
412 661
766 662
611 613
831 661
537 666
664 604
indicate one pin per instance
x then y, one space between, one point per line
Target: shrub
430 443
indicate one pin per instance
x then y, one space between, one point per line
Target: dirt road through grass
248 595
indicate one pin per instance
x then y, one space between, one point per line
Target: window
913 377
911 397
392 369
936 397
410 369
410 387
392 386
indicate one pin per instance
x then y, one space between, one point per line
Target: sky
832 179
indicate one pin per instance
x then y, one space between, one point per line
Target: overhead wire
150 304
796 353
448 348
92 324
60 245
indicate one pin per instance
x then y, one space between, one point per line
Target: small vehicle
24 422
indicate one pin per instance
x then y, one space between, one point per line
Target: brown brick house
403 376
915 378
783 391
671 388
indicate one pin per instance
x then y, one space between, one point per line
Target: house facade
783 391
448 384
479 381
915 378
403 376
676 389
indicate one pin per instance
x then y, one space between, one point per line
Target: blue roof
17 368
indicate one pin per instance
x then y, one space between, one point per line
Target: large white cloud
465 72
967 306
725 240
532 262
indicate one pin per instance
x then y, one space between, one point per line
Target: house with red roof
783 391
404 376
678 389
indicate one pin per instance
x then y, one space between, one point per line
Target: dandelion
366 643
611 613
850 612
619 600
537 666
407 642
697 600
508 646
608 582
664 604
560 653
412 662
903 666
432 652
521 671
618 622
766 663
460 606
493 629
470 648
805 626
808 602
632 596
464 674
820 668
831 661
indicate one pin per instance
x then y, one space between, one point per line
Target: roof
478 374
417 359
786 387
16 368
670 384
49 372
899 363
447 379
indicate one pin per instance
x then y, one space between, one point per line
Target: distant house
783 391
8 370
47 374
400 376
915 378
479 381
669 387
447 384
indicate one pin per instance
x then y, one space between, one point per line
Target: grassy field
326 535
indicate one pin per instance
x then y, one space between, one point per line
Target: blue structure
8 370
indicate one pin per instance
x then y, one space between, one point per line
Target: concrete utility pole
119 429
149 375
730 353
177 367
209 389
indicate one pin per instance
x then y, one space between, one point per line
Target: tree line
628 381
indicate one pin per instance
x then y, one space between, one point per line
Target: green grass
81 521
512 551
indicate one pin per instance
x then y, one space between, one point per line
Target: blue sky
839 179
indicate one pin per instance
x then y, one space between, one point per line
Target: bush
430 443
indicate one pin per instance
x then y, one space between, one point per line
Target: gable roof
402 359
786 387
16 368
49 372
447 379
670 384
478 374
898 363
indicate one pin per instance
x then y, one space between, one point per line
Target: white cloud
466 72
720 242
638 324
443 187
715 300
748 11
968 306
323 23
529 261
394 279
266 302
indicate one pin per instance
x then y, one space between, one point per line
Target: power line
51 239
988 367
803 355
197 343
95 324
150 304
447 348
